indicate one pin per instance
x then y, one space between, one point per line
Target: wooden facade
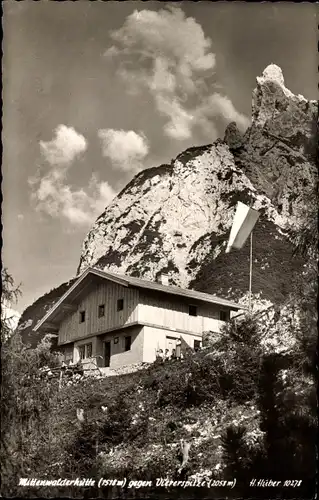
172 313
107 294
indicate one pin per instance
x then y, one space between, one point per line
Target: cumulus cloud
125 148
174 46
168 53
56 198
52 193
180 123
65 147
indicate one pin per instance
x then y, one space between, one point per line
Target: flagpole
243 224
250 269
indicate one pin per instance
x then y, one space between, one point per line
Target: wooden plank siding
106 293
172 312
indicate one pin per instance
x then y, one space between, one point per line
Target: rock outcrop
165 222
177 222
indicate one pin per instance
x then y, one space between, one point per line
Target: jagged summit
272 73
279 149
271 98
176 218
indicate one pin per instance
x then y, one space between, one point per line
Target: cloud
126 149
174 46
52 193
65 147
180 121
168 54
219 105
58 199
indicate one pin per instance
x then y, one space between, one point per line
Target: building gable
69 302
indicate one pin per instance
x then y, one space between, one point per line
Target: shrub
234 450
83 450
289 421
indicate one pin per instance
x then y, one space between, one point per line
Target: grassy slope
154 409
150 411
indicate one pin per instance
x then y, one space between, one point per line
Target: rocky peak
278 153
271 99
270 89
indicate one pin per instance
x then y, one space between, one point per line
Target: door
107 353
170 346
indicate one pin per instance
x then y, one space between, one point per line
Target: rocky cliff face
176 218
164 222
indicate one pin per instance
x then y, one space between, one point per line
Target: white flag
243 224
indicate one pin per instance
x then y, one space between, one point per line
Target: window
82 316
196 345
101 311
82 351
85 351
224 315
68 356
88 351
127 343
192 310
120 304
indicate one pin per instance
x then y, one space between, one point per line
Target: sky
94 92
